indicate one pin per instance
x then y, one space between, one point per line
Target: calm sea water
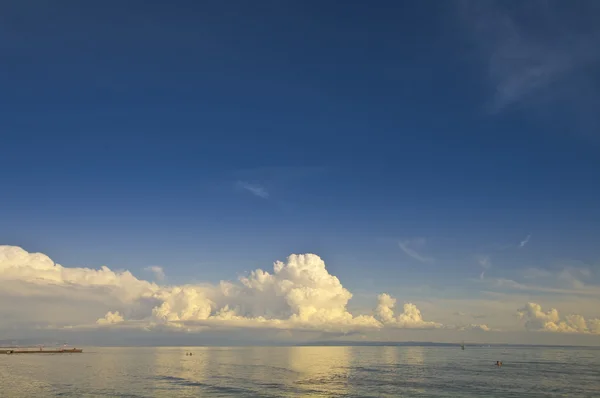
304 372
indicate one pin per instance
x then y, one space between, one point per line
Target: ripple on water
296 372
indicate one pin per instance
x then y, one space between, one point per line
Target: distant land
427 344
37 342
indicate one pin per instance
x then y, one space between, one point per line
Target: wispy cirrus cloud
512 285
464 314
535 52
525 241
566 277
486 263
412 248
254 189
501 247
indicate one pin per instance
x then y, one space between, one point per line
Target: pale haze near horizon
295 302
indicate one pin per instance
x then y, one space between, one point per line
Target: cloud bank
298 294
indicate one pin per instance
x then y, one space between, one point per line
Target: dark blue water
304 371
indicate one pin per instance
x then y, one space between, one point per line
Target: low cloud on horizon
297 295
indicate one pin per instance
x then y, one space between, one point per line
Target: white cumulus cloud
550 321
297 294
110 318
38 269
410 318
479 327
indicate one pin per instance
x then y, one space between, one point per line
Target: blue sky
213 138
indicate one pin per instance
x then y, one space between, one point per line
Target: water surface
304 372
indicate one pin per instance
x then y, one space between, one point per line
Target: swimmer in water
498 363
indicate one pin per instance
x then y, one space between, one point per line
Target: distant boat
462 346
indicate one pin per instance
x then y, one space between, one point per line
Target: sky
241 172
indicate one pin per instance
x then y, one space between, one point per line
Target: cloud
110 318
525 60
254 189
514 285
567 279
158 272
472 326
550 321
574 288
299 294
410 318
537 274
486 263
279 174
410 248
571 277
594 326
476 327
44 276
464 314
525 241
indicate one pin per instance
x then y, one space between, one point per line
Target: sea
386 371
